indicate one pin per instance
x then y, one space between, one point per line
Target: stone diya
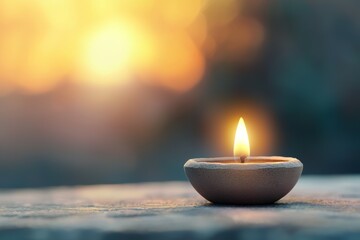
259 180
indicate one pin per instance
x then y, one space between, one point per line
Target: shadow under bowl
261 180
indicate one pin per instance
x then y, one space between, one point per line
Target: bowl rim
251 163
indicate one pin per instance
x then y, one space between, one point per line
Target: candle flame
241 142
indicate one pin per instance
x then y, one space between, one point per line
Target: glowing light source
107 54
109 43
241 143
178 64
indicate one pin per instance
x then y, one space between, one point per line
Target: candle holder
260 180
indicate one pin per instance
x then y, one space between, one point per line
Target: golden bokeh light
180 13
112 52
108 43
178 64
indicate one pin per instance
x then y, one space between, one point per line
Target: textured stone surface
317 208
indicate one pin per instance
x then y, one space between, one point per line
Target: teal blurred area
290 68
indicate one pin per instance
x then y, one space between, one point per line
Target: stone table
317 208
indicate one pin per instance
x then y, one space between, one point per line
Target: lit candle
243 179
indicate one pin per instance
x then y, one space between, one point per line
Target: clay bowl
260 180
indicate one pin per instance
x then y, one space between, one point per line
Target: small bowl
260 180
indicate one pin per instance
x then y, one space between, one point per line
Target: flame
241 142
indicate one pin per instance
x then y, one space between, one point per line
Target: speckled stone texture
317 208
263 180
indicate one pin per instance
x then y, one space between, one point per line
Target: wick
242 159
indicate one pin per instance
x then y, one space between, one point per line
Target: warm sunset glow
112 52
241 143
109 43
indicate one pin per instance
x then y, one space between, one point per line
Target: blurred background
95 92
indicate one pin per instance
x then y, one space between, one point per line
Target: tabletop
319 207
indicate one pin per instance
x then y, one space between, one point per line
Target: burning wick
241 143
